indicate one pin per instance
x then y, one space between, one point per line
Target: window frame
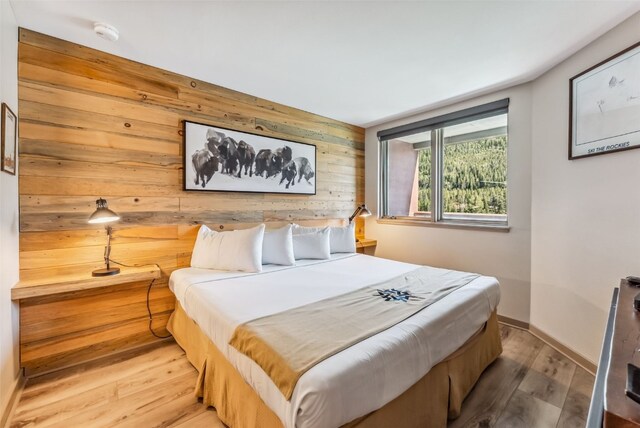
436 126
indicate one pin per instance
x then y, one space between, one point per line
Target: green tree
474 177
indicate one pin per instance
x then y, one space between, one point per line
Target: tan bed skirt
428 403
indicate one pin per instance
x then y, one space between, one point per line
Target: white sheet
358 380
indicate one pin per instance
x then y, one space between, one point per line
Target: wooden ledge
487 227
74 281
365 243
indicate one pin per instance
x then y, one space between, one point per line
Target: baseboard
513 322
564 350
568 352
7 412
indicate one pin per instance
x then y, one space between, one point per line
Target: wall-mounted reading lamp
101 215
361 211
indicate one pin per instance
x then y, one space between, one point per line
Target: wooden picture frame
8 140
225 160
604 106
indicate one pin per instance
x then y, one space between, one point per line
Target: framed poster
9 139
220 159
604 111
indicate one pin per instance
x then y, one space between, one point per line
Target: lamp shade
103 214
361 211
364 212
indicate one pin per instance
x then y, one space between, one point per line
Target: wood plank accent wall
96 125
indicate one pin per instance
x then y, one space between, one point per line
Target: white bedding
357 380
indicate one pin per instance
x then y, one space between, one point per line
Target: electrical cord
148 295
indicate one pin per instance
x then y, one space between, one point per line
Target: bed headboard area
97 125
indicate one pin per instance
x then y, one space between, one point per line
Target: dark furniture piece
610 407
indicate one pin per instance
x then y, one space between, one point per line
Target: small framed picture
605 106
9 140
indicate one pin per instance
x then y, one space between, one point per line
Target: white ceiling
361 62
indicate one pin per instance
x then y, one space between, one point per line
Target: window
449 169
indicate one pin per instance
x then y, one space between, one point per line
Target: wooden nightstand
366 246
74 281
73 317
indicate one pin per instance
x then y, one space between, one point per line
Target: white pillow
343 239
238 250
301 230
315 245
277 247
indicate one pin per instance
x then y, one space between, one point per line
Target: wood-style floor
530 385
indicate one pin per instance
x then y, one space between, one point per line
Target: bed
415 373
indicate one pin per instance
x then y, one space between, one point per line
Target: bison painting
246 157
289 172
268 163
205 164
228 160
286 153
304 169
228 149
214 137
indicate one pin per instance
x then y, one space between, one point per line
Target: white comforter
357 380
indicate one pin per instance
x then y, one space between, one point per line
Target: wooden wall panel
96 125
64 329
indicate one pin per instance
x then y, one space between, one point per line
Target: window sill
446 224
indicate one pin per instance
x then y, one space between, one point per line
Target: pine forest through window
475 177
470 167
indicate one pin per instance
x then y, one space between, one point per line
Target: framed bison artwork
224 160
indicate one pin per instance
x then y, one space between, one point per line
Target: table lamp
101 215
361 211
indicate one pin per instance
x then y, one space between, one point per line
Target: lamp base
106 272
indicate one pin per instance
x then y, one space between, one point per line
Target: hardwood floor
530 385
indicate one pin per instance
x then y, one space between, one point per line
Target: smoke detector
106 31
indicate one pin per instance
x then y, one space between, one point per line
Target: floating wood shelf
366 246
74 281
365 243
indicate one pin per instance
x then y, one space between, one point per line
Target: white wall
506 256
585 212
575 224
9 364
